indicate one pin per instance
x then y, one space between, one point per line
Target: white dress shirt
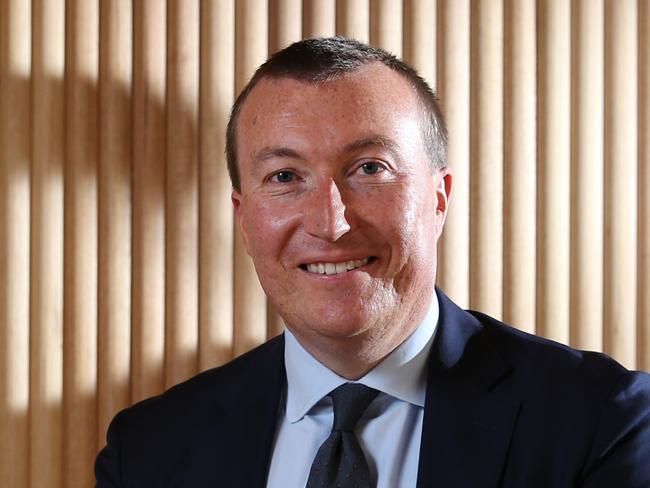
389 431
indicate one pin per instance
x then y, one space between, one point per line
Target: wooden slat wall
251 47
121 268
353 19
46 267
215 215
80 258
319 18
454 92
148 194
15 130
115 129
419 41
519 163
486 158
181 192
621 119
643 265
553 168
587 175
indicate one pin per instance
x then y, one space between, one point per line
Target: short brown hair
320 60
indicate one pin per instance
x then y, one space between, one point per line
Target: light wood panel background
121 272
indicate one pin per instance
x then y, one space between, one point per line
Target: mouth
336 268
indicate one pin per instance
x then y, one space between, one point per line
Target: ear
236 199
444 179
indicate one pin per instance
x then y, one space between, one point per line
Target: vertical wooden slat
148 248
285 27
216 218
454 93
353 19
554 165
250 302
319 18
620 175
285 23
386 25
80 259
486 173
46 285
114 318
181 258
519 164
15 72
587 175
643 283
420 37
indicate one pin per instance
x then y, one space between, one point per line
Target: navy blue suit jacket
503 408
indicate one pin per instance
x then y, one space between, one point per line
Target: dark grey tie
339 462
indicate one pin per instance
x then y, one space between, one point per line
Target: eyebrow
373 141
285 152
274 152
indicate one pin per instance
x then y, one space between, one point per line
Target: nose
324 214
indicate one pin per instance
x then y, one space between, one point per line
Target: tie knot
350 401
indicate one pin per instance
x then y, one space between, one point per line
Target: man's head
340 206
325 59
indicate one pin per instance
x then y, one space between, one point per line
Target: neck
353 357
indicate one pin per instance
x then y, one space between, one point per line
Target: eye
283 176
371 168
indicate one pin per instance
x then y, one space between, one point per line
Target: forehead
374 99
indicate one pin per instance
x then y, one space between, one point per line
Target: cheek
268 228
413 235
408 217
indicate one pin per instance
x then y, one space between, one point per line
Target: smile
336 268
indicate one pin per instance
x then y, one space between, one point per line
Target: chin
339 326
342 330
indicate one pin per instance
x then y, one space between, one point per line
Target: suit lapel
467 424
250 421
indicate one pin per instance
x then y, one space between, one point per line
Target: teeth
336 268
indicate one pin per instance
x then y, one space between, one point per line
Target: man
337 157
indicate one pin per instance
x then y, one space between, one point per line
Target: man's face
339 208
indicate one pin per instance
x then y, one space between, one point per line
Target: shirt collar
402 374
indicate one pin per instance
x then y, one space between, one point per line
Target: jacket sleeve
108 462
620 454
